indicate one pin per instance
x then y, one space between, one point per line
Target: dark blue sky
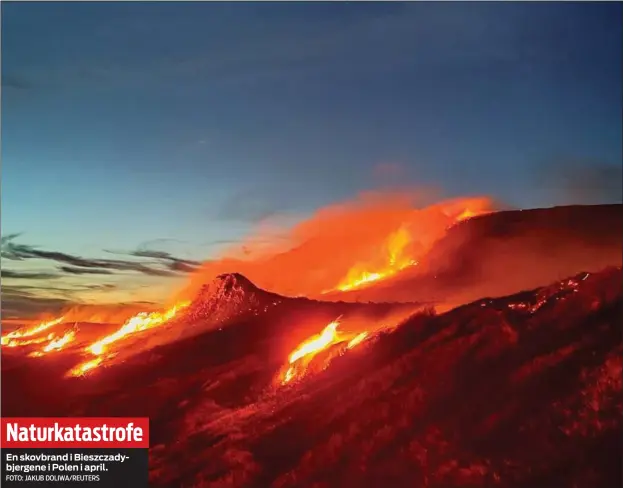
124 123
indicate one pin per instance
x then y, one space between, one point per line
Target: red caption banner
78 432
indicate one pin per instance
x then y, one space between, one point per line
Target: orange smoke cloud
342 245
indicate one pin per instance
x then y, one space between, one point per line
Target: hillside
504 252
521 391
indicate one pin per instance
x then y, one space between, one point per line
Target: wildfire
397 252
27 337
27 342
13 339
61 342
138 323
85 367
357 340
468 214
305 352
396 260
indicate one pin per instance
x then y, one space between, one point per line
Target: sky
139 138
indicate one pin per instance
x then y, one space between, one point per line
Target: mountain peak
229 295
230 281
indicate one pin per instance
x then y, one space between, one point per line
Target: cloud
83 271
23 302
26 275
173 263
27 300
78 265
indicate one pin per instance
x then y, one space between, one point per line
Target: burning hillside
519 391
343 247
274 389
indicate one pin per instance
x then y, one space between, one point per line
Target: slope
521 391
505 252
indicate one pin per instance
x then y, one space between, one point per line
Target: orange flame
138 323
327 337
379 234
61 342
305 352
358 339
469 213
396 260
28 332
27 342
85 367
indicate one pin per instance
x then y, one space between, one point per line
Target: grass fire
317 245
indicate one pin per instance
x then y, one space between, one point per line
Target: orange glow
342 247
315 344
357 340
138 323
396 260
28 342
300 358
85 367
16 335
469 213
61 342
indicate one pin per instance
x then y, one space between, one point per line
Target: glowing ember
85 367
61 342
29 332
357 340
289 375
28 342
138 323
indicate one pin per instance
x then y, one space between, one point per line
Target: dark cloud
25 301
26 275
83 271
78 265
584 182
174 264
18 302
28 300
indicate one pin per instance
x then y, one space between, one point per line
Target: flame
85 367
61 342
141 321
15 336
469 213
396 260
378 235
316 343
358 339
27 342
306 351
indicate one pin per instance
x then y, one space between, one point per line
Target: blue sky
178 125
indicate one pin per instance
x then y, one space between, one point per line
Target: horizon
153 137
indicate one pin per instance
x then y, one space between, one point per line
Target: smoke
314 255
584 182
